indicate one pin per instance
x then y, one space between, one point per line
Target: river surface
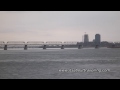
84 63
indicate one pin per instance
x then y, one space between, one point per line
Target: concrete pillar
44 47
96 46
62 47
25 48
79 46
5 47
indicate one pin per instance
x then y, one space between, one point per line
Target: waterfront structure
97 39
86 38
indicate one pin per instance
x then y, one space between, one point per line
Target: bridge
53 43
14 44
2 44
38 44
70 43
49 44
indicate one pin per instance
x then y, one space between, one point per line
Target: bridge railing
70 43
35 43
2 43
15 44
53 43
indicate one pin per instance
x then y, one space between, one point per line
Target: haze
59 25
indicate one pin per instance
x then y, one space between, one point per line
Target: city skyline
58 25
86 38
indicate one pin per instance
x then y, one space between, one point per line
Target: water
60 64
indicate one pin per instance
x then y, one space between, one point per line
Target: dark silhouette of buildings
86 38
97 39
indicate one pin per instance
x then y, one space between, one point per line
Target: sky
59 25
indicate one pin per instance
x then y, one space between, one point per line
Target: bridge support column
96 46
25 48
62 47
79 46
5 47
44 47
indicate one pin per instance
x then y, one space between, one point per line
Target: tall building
86 38
97 39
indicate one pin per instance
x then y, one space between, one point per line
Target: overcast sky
59 25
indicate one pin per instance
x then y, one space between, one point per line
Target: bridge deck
15 43
48 44
2 44
70 43
53 43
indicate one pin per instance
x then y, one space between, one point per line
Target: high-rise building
86 38
97 39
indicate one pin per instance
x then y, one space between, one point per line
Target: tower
97 39
86 38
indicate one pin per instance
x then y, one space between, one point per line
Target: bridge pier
44 47
96 46
25 48
62 47
5 47
79 46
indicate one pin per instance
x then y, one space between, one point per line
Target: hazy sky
59 25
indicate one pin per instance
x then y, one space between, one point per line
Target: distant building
97 39
86 38
105 44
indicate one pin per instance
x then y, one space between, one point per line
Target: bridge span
2 44
39 44
49 44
